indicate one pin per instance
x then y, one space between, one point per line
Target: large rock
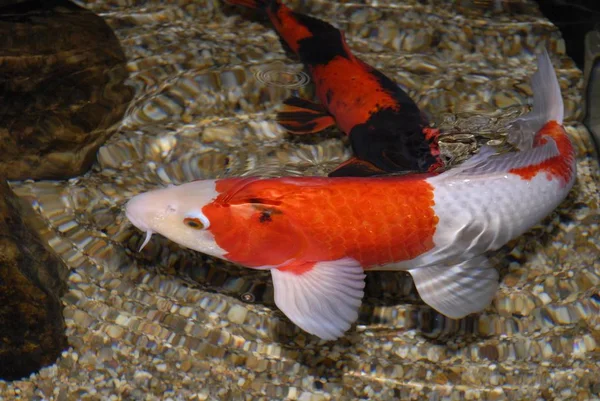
32 279
62 73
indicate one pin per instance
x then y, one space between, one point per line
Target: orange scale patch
402 232
560 166
373 220
363 94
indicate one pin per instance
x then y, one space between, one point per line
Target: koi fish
387 130
318 235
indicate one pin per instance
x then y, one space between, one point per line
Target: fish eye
197 221
194 223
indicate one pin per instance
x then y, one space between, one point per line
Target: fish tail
547 105
539 135
259 4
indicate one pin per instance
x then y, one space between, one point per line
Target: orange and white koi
388 132
317 235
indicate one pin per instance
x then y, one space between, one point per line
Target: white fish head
176 213
241 220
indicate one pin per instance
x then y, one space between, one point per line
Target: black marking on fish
324 45
401 97
391 146
265 216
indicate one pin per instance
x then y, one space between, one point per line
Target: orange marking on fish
290 29
558 166
311 220
355 88
298 269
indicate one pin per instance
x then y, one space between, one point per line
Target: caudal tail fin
260 4
547 104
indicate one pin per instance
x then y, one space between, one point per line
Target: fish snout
155 210
144 209
132 211
136 222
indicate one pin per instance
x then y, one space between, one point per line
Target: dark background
574 18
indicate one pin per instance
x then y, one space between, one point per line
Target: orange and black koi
387 130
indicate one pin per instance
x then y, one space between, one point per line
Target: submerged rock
32 279
62 71
592 84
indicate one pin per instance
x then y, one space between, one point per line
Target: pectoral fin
321 298
457 290
354 167
300 116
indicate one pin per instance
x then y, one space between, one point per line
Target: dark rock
591 75
4 3
62 85
32 279
574 18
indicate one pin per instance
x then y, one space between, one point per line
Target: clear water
207 82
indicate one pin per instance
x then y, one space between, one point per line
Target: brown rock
32 279
62 73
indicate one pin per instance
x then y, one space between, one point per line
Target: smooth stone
32 279
63 70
